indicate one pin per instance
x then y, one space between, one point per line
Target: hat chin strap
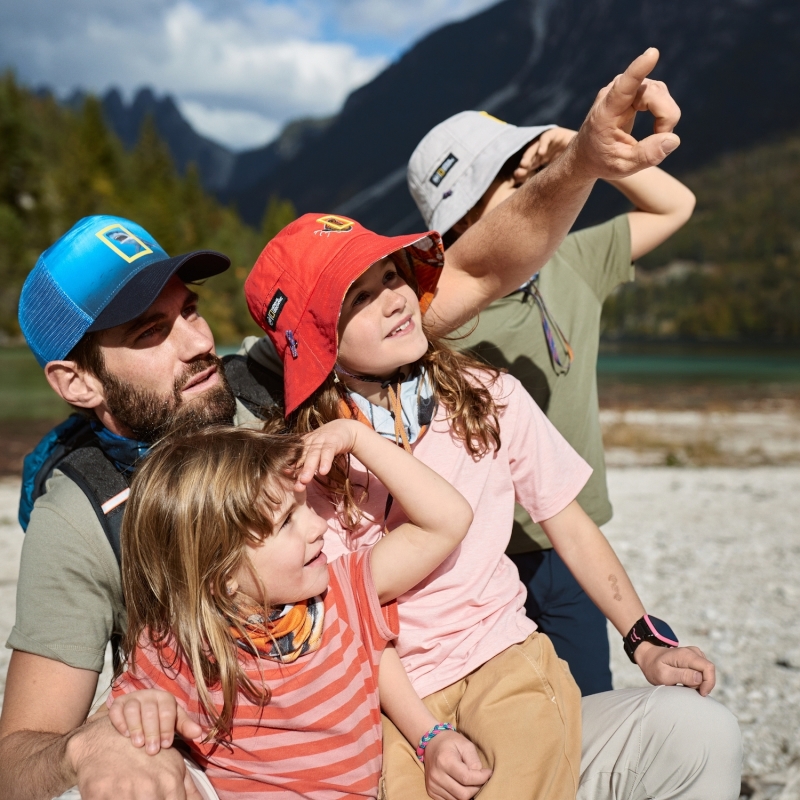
385 383
394 399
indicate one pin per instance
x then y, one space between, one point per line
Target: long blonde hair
461 384
197 502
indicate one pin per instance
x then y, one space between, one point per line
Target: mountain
215 163
222 171
731 64
254 167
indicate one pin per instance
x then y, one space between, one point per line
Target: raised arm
524 232
439 516
662 206
662 203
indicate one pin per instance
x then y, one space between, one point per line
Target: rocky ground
707 504
716 551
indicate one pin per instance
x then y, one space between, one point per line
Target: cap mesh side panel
54 324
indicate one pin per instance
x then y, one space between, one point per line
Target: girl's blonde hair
197 502
461 384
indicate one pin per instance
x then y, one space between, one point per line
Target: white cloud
239 68
282 75
243 58
406 21
239 130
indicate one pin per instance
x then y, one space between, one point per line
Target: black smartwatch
649 629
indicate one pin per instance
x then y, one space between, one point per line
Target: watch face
661 630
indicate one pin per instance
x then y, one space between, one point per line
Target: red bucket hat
297 286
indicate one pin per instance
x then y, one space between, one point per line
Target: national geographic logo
443 169
276 305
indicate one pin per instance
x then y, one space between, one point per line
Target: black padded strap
100 481
255 386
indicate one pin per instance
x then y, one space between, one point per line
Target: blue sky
240 69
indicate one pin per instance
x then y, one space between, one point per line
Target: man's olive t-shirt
574 283
69 592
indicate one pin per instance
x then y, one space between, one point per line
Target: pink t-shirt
473 606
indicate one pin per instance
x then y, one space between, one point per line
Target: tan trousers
662 742
522 710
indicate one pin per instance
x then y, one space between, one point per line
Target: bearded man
111 319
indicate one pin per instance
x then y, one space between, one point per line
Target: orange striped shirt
319 737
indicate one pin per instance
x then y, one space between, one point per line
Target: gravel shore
714 550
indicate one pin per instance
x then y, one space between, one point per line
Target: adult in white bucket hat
547 332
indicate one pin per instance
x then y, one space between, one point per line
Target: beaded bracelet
435 730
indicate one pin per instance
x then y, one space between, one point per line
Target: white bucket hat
456 161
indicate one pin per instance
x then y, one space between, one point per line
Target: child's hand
150 717
668 666
323 445
453 768
542 151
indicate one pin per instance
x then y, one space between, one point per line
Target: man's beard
150 416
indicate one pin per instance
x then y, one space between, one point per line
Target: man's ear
73 384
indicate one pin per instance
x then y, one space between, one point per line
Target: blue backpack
73 448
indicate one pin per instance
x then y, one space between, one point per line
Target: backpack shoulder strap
255 386
104 485
72 433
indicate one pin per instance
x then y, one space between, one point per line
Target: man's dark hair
88 355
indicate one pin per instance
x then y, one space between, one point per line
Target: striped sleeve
376 624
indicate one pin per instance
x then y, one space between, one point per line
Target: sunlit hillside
733 272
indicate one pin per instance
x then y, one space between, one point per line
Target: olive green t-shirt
69 592
574 283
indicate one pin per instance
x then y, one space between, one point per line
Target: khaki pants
522 710
661 743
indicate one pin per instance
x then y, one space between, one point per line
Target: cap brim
141 291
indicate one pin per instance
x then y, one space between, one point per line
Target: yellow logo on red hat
334 224
123 242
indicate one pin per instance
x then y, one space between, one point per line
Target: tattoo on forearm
612 579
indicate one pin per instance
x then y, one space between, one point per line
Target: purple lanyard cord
530 289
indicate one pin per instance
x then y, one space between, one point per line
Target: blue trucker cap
104 271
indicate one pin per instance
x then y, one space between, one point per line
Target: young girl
234 609
343 308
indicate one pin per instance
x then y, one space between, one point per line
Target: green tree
278 214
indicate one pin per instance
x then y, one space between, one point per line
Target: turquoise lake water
24 393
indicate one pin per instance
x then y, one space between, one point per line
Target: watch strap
648 629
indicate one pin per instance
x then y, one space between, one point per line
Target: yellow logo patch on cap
123 242
333 224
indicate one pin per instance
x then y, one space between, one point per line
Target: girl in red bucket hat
344 308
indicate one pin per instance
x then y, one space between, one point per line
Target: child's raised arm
439 516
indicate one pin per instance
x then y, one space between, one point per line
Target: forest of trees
57 166
733 272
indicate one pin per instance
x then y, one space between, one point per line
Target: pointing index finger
623 90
